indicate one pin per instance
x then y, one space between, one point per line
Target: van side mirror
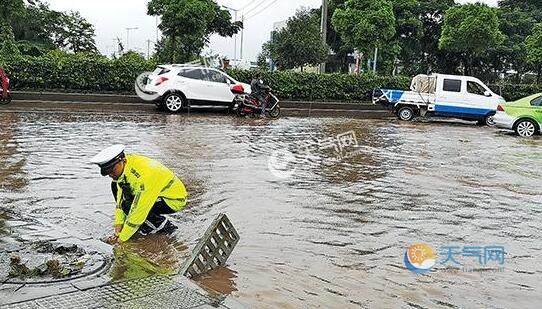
488 94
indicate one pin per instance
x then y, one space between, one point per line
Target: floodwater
323 230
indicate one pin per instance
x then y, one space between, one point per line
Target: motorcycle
5 94
249 105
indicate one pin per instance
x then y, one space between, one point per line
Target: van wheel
526 128
405 113
174 102
489 120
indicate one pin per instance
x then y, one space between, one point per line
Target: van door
479 100
450 99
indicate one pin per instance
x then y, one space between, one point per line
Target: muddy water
333 233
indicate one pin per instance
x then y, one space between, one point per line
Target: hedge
77 72
512 92
60 71
323 87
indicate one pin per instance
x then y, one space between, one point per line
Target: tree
534 49
38 29
471 30
532 7
365 24
8 11
299 43
187 26
78 34
261 61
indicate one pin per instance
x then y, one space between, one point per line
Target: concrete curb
132 99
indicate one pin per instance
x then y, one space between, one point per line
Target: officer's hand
118 229
112 240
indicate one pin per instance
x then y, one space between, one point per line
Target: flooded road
327 230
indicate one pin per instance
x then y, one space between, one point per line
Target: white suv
179 86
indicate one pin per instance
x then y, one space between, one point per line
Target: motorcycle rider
4 83
258 91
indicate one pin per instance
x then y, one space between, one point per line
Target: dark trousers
156 222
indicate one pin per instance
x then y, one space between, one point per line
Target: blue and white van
462 97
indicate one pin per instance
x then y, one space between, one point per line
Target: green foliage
10 9
86 72
513 92
298 44
534 49
365 24
36 24
8 48
471 30
187 26
534 45
289 85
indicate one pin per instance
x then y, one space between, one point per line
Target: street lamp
128 37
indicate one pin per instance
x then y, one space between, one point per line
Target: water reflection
145 256
221 280
12 174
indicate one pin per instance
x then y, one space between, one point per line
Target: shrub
77 72
323 87
83 72
512 92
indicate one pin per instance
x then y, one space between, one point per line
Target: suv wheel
174 102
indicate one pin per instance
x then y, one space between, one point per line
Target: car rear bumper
504 121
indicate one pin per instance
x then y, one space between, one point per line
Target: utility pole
374 60
324 31
235 11
128 37
157 35
242 37
149 49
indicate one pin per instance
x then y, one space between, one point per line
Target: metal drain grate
214 248
152 292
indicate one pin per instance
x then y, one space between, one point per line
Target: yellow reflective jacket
148 180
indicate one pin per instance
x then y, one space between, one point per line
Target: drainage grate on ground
151 292
214 248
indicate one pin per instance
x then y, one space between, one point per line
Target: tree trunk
539 69
173 49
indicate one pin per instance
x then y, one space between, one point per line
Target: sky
112 17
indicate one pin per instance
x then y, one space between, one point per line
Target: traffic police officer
144 190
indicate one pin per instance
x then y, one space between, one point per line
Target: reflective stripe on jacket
147 180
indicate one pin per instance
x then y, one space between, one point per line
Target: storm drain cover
151 292
214 248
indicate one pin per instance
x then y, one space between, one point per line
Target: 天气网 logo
420 258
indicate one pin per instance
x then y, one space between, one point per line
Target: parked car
462 97
523 116
179 86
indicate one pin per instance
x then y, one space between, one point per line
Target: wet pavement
328 231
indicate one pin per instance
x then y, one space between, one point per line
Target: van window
537 101
475 88
452 85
